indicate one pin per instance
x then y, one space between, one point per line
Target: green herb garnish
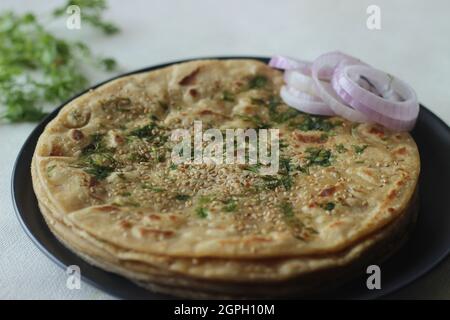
182 197
287 209
201 212
99 172
227 96
37 68
258 82
272 182
359 149
146 131
173 166
96 145
230 205
318 156
329 206
310 123
340 148
253 168
257 122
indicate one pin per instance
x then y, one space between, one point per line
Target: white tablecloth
412 44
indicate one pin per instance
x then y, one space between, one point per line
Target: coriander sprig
37 68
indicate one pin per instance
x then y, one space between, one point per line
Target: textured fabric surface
149 37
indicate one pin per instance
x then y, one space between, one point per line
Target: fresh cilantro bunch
38 68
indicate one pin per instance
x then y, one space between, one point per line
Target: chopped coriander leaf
319 156
117 104
137 157
173 166
258 82
359 149
253 168
126 194
100 172
163 105
37 68
96 145
324 137
182 197
287 209
146 131
272 182
204 200
329 206
201 212
283 144
285 165
230 205
258 101
257 122
227 96
109 64
303 169
340 148
316 123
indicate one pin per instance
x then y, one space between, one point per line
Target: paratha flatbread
102 168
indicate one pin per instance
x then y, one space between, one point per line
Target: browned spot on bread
401 151
107 208
392 194
377 131
328 191
206 112
193 93
336 224
125 224
246 241
144 232
77 135
56 151
92 181
307 138
391 210
190 78
154 217
258 239
401 182
369 172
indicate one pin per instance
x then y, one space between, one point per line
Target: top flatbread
104 162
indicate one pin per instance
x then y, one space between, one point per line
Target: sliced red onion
325 91
300 81
304 102
385 108
287 63
302 66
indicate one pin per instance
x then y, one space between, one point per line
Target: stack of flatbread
344 196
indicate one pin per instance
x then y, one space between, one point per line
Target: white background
413 44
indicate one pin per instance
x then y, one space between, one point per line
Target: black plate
429 243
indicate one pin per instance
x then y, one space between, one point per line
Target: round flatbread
103 169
